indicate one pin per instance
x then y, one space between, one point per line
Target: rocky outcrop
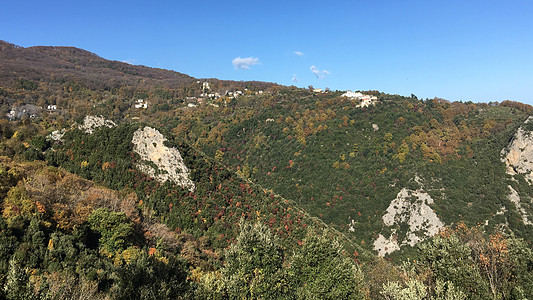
169 165
56 135
515 199
90 123
518 155
410 207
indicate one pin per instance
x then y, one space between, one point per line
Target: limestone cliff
149 144
411 208
90 123
515 199
518 155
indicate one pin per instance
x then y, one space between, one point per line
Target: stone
411 207
149 144
90 123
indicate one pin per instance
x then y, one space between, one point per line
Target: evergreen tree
254 264
319 270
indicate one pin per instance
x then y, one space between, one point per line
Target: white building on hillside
366 100
353 95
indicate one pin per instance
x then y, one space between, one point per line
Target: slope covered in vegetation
144 225
346 164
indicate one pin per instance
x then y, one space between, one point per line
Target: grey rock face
90 123
149 144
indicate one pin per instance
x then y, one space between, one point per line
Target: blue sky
468 50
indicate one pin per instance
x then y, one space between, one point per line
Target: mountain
69 64
390 174
250 188
72 64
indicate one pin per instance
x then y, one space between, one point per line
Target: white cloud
299 53
244 63
319 73
129 61
294 78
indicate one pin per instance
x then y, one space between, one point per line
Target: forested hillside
151 225
346 164
113 174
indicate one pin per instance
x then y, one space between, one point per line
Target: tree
521 257
147 277
319 270
17 284
378 273
414 290
482 266
254 264
17 204
450 259
114 228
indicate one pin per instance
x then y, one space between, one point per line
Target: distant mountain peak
63 50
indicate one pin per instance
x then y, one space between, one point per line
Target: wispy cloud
244 63
299 53
319 73
129 61
294 78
